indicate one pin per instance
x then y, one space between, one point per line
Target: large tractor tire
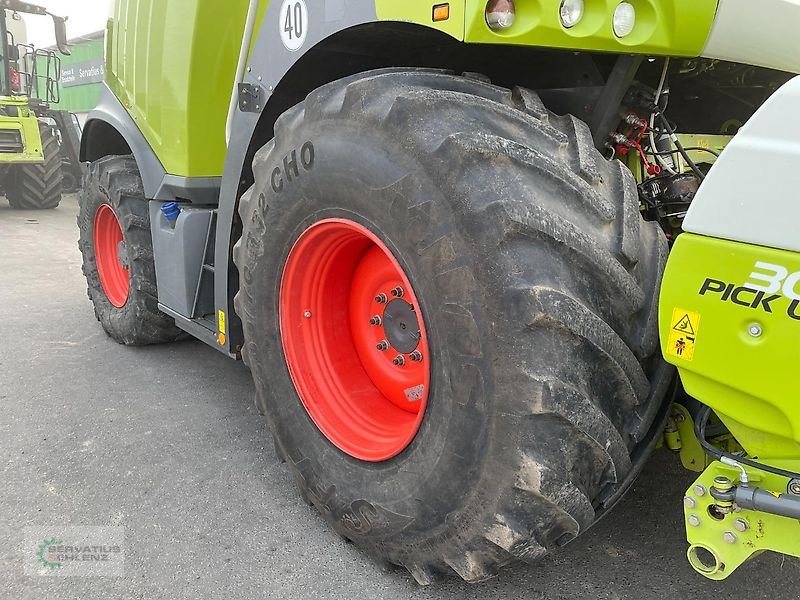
38 186
117 249
449 307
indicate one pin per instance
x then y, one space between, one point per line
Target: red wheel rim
354 340
114 276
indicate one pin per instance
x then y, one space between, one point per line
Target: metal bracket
251 98
727 524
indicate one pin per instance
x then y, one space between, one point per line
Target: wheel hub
354 339
401 326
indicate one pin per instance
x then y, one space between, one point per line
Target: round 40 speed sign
293 24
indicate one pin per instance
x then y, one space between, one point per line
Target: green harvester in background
34 140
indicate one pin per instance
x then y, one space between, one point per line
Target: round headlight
571 12
500 14
624 19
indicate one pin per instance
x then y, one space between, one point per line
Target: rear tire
39 186
537 279
127 310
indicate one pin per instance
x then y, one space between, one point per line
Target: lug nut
416 356
694 520
397 292
376 320
699 490
399 360
381 299
689 502
383 346
729 537
741 525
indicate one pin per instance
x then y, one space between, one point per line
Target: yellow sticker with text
221 319
682 338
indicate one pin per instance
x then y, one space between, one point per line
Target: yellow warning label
682 337
221 320
684 325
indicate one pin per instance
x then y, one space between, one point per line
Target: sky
85 16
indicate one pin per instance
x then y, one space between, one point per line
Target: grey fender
110 111
109 122
270 61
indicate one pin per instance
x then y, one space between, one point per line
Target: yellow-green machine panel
26 126
178 92
668 27
730 322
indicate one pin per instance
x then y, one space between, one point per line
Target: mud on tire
538 280
115 181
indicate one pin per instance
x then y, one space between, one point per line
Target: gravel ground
166 443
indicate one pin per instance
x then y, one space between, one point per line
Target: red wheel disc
114 277
354 340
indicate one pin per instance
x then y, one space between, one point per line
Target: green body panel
723 537
172 65
746 379
28 125
666 27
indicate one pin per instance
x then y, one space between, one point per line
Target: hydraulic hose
678 145
711 450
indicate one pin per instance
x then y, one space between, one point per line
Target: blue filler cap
171 211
